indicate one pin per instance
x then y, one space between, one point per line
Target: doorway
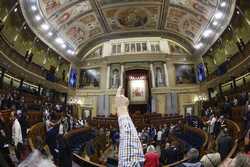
138 89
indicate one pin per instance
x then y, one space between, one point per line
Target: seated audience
168 154
212 159
224 143
240 160
35 159
247 142
193 159
151 157
3 141
65 153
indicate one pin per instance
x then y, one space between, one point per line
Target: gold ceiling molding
78 25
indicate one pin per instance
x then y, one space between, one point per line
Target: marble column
153 104
171 101
121 77
108 77
148 46
166 74
153 75
101 105
106 104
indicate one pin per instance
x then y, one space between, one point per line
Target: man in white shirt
159 136
16 134
211 124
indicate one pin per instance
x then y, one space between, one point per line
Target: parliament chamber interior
124 83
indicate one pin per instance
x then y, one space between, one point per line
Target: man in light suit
16 134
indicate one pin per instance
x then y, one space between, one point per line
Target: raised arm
130 148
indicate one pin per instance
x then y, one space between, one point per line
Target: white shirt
159 135
16 133
48 125
61 131
87 113
212 123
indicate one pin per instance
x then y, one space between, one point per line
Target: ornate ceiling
71 27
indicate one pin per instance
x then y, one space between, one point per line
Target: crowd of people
15 136
149 147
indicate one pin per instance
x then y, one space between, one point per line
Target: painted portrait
138 91
115 73
159 74
90 78
185 74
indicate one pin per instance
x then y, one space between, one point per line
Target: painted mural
84 28
50 6
133 17
185 23
61 18
185 74
204 8
90 78
109 2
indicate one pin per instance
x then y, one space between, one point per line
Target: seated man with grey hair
193 159
241 160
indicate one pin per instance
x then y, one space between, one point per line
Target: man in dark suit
169 154
225 142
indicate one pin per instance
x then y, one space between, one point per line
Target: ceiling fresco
185 23
132 18
84 28
78 22
109 2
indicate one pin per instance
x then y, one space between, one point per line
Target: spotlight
218 15
45 27
63 46
50 34
70 52
215 23
15 10
223 4
33 8
207 33
38 18
59 40
199 45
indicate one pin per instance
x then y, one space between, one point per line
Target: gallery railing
8 49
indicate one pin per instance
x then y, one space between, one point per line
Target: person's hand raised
121 102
